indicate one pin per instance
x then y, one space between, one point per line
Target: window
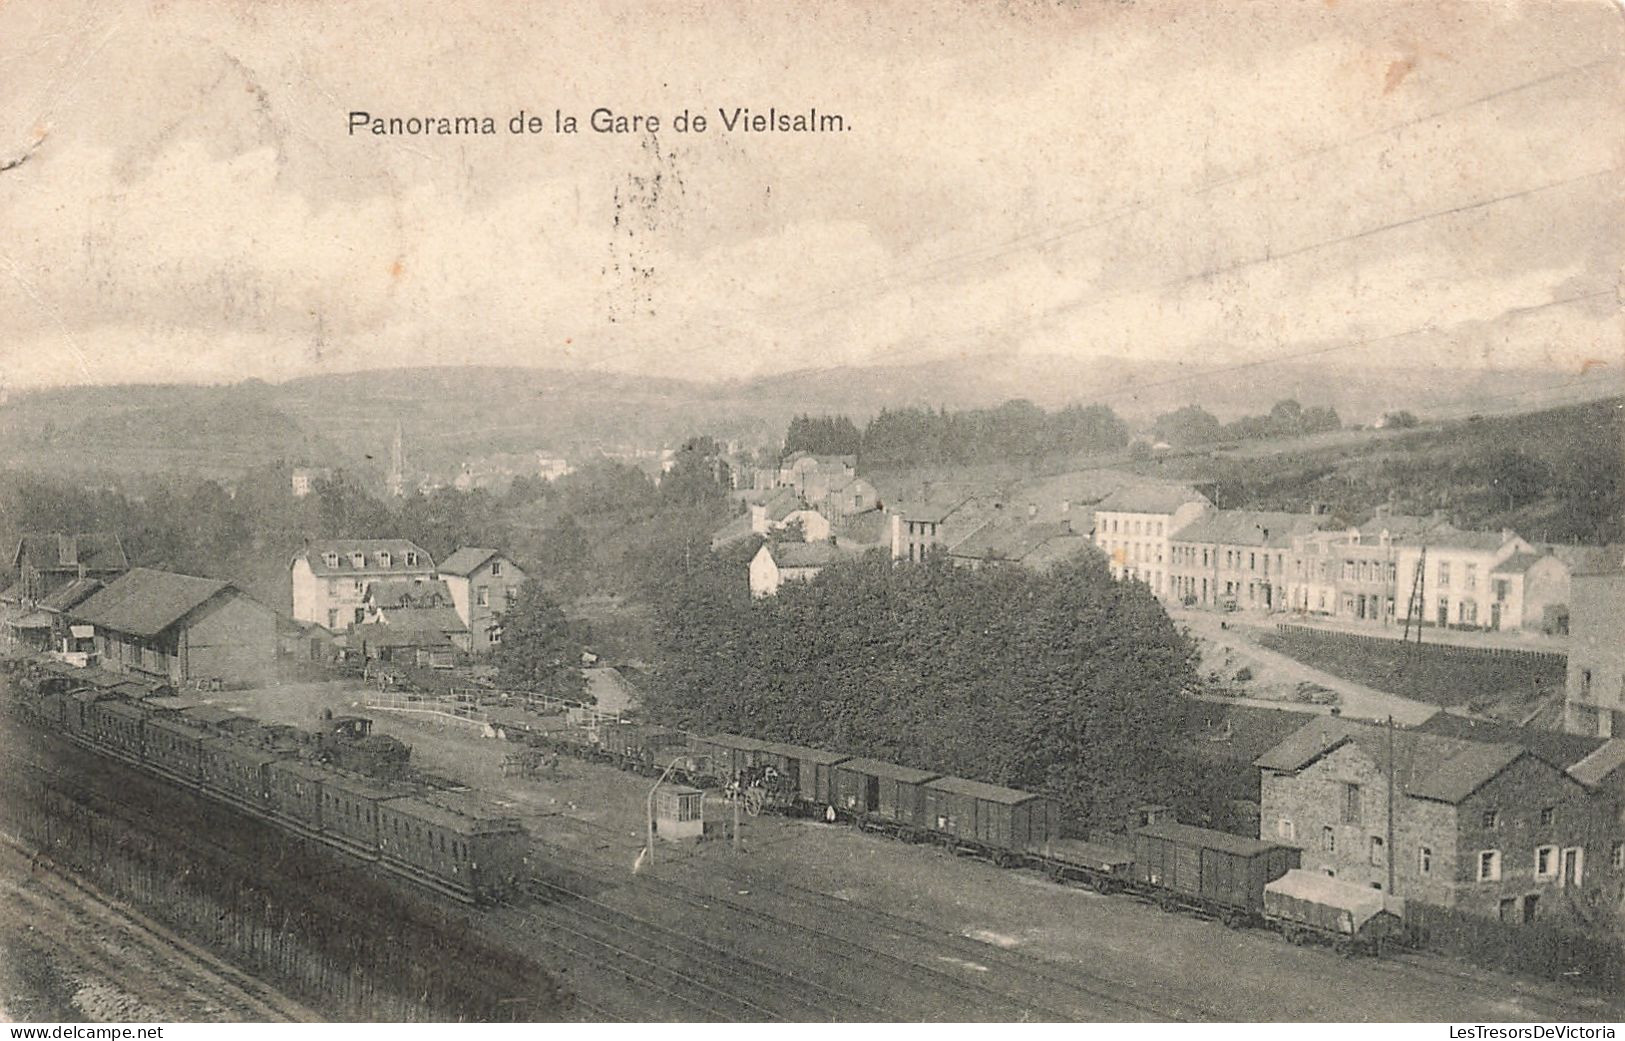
411 559
482 596
510 596
1585 683
330 559
1619 856
1492 819
1328 839
358 559
1351 803
1444 575
1546 862
1472 576
1424 860
333 618
1379 852
1548 815
1489 865
1285 830
496 568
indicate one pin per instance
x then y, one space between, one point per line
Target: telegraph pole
1393 772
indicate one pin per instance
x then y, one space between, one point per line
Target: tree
1401 420
1191 425
566 558
539 652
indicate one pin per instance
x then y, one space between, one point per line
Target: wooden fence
1541 949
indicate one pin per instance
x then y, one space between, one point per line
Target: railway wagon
52 707
809 772
990 818
1101 866
730 754
296 791
642 746
350 813
458 850
1210 870
875 790
237 772
118 725
175 747
76 719
1306 905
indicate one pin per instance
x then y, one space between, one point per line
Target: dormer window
411 559
496 568
358 559
383 559
330 559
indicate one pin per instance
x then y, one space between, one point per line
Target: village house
804 471
1594 693
45 562
1235 558
330 578
1487 827
483 584
814 525
1036 545
305 478
180 629
1454 581
765 513
918 527
776 564
1353 573
841 495
413 621
1133 526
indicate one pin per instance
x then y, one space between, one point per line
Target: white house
483 584
330 579
1455 584
1133 526
789 562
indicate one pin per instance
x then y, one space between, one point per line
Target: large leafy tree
540 651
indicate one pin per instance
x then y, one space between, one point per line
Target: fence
575 712
1533 949
457 707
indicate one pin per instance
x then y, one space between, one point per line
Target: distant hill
451 414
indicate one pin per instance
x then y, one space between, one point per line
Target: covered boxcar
296 791
809 773
989 818
1210 870
642 746
236 772
175 747
730 754
871 789
1305 905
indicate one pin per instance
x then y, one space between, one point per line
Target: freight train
1237 880
443 840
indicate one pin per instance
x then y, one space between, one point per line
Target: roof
1520 562
52 551
467 560
806 754
805 554
1425 765
71 595
932 510
740 527
300 768
1560 749
781 504
1362 902
1150 498
748 744
1190 835
144 602
409 592
869 528
1483 541
1014 542
1600 764
1246 528
445 817
981 790
175 725
238 750
891 771
1589 559
1403 525
315 554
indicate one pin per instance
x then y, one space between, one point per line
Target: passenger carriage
236 772
175 747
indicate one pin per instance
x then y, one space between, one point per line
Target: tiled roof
1016 542
71 595
409 592
423 620
315 554
1462 774
94 551
1560 749
1518 563
806 554
1402 525
467 560
932 510
1246 528
1483 541
144 602
1600 764
1149 498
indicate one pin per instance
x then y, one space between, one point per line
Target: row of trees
1062 682
1015 430
1195 425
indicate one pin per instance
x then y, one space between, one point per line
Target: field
1435 673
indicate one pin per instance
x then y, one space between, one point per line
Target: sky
181 198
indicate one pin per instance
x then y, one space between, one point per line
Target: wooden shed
873 788
1210 868
990 815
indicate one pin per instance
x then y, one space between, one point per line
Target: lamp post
651 805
